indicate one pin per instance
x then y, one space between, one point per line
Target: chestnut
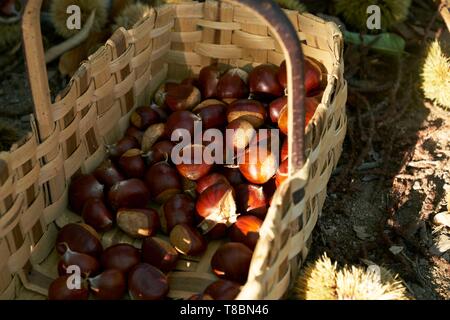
223 290
163 181
182 97
313 75
180 120
251 199
134 132
240 132
232 262
206 103
88 265
187 240
246 230
151 135
191 81
122 146
161 93
159 253
108 285
132 164
275 108
263 81
209 79
233 85
311 104
81 189
284 150
200 296
96 214
108 174
258 167
180 208
249 110
121 256
132 193
138 223
189 187
145 282
143 117
161 111
213 116
192 164
216 206
160 151
233 175
282 172
209 180
79 237
59 290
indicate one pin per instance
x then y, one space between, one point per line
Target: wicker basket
69 135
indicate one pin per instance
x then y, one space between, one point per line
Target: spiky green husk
355 14
131 15
322 280
10 35
292 5
436 74
59 15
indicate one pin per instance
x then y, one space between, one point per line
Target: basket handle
37 71
267 10
284 32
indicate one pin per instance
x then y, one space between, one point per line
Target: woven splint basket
175 41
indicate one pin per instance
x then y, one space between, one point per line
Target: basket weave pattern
174 42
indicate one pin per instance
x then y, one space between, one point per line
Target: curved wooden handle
285 33
37 71
266 10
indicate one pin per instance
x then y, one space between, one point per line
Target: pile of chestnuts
142 191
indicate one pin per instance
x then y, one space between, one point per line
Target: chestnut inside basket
175 41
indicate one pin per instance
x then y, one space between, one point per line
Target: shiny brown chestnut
187 240
311 104
209 180
209 79
263 81
246 230
182 97
282 172
239 133
163 181
159 253
161 93
134 132
132 193
108 285
233 85
143 117
180 208
223 290
275 108
88 265
193 165
233 175
138 223
145 282
83 188
313 75
284 150
180 120
122 146
121 256
108 174
132 163
257 166
251 199
232 262
161 111
79 237
160 151
96 214
249 110
151 135
213 116
59 290
215 208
